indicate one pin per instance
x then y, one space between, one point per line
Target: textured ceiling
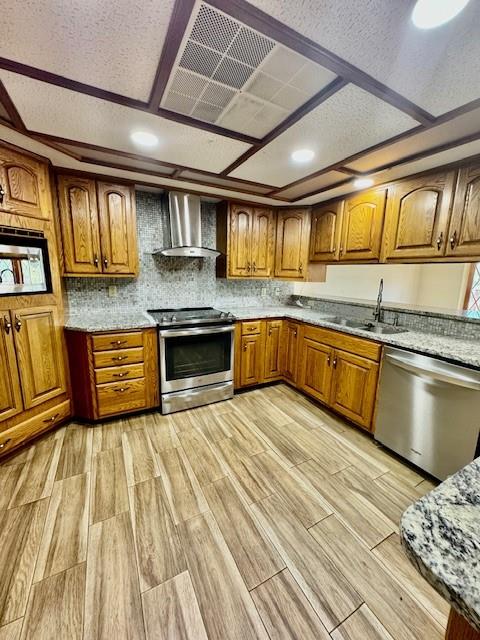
49 109
112 44
437 69
349 121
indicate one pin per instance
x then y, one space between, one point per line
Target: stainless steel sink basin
347 322
365 325
384 329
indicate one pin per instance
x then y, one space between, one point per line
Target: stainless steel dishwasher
428 411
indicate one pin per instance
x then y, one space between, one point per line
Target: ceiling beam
11 109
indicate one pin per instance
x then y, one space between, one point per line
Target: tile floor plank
20 534
112 604
64 540
279 439
216 579
245 437
55 607
213 430
109 494
75 456
285 611
11 631
140 459
329 593
108 435
255 556
159 551
397 611
171 611
9 477
361 624
161 432
202 459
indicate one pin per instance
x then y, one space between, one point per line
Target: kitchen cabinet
258 352
290 346
417 217
325 232
292 243
10 392
252 360
315 371
273 350
262 244
464 230
362 226
113 373
24 185
98 225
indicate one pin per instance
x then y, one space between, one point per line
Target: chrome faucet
378 313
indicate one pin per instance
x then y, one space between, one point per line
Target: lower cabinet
272 369
113 373
290 345
258 355
315 375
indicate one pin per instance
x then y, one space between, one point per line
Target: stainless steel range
196 356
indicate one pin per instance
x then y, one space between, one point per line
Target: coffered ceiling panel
346 123
438 69
228 74
112 44
67 114
319 182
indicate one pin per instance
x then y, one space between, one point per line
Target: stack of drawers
118 360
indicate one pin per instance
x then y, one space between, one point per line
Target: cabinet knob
335 363
122 389
18 323
95 261
52 419
4 443
249 267
453 240
328 360
105 263
334 249
121 375
7 325
300 267
117 343
119 357
440 241
254 267
2 193
341 251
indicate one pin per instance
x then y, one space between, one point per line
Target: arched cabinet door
417 217
24 186
464 232
325 233
293 235
263 238
240 241
362 226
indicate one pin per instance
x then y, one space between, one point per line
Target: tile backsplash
166 282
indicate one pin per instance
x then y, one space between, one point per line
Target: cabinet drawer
344 341
13 437
122 340
113 358
119 397
117 374
250 328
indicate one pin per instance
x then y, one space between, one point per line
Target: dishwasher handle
434 373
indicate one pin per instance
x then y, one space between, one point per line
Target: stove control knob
173 319
224 315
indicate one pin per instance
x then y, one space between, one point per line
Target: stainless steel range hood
185 228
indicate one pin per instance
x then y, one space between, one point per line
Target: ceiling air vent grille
231 75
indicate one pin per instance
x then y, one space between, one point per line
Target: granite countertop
466 352
441 536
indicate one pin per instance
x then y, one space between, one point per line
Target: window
472 297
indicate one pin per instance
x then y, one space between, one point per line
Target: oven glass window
189 356
23 266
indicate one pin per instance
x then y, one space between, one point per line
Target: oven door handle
177 333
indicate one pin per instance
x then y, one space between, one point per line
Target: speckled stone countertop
441 535
457 350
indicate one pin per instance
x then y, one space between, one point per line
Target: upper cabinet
291 252
263 243
24 185
362 226
417 217
464 231
240 237
98 227
325 233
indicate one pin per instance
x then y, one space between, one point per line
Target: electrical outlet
277 291
112 291
263 292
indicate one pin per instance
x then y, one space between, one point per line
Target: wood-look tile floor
260 517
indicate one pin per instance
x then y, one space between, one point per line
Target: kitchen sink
347 322
384 329
365 325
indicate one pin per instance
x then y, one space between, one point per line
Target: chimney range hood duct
185 228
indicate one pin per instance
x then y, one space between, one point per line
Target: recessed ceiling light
362 183
144 138
302 155
428 14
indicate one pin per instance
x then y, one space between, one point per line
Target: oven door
195 357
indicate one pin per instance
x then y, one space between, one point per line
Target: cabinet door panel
116 209
354 387
417 217
291 251
263 234
10 393
240 248
290 351
79 222
39 350
362 226
315 369
252 358
273 344
25 185
464 232
325 233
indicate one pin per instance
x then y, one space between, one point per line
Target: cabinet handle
95 260
254 267
2 194
341 251
18 323
121 375
249 267
122 389
295 333
335 363
334 249
328 360
7 325
52 419
244 347
105 263
119 357
117 343
270 331
300 267
5 442
440 241
453 240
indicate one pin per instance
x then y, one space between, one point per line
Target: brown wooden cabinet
290 349
315 371
362 226
98 226
292 243
252 359
417 217
273 350
10 392
464 230
24 186
262 243
326 232
258 352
